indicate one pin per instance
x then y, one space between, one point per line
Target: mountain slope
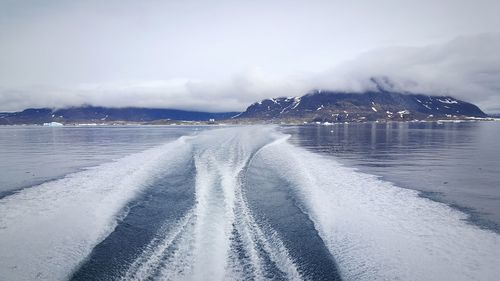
316 106
105 114
375 105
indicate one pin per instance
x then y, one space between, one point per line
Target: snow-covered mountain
373 105
316 106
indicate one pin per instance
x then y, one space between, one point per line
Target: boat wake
257 208
218 238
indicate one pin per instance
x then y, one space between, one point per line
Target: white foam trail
221 157
203 250
377 231
47 230
150 260
253 235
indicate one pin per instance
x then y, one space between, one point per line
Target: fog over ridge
467 68
224 55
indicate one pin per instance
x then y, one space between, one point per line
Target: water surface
456 163
34 154
340 202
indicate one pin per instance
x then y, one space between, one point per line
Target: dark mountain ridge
329 106
316 106
105 114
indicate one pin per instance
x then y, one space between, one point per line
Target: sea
362 201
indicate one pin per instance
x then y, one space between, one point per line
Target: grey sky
223 55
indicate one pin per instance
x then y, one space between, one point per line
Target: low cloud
467 68
234 94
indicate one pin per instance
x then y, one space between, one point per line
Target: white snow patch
236 115
87 124
403 112
296 102
53 124
448 101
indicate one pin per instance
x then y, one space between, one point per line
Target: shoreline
247 122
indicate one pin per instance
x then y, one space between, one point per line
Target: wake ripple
368 228
219 238
377 231
46 231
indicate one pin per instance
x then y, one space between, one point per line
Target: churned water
339 202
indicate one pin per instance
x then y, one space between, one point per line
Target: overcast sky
224 55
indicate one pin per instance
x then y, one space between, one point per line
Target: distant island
315 107
106 115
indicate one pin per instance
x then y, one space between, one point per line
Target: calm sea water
30 155
397 201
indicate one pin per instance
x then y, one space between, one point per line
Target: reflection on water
457 163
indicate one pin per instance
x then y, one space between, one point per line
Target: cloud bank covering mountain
467 67
223 56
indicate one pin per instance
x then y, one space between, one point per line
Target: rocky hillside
92 114
327 106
